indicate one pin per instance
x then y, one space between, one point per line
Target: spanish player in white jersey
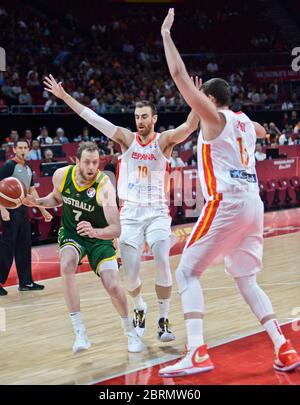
141 188
231 223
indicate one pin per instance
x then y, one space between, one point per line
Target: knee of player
182 279
163 276
68 266
132 283
113 288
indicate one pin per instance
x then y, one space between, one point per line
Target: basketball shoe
287 358
81 341
3 291
193 362
163 332
31 287
139 321
135 345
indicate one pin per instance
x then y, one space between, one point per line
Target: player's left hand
168 22
85 228
197 81
47 216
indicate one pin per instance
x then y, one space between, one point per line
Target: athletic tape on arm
104 126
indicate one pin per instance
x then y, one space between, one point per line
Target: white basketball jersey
142 176
227 163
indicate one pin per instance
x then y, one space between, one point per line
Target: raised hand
53 87
168 21
197 81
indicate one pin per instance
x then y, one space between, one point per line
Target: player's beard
85 177
143 133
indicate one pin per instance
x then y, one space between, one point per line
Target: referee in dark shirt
16 238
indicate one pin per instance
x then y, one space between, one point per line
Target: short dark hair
88 146
19 140
146 103
219 89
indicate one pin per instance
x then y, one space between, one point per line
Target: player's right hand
5 215
29 201
53 87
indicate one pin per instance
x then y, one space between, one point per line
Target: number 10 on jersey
143 171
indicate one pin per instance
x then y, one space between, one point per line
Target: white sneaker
135 345
81 342
139 320
193 362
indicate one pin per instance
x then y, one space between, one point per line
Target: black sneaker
139 321
163 332
31 287
3 291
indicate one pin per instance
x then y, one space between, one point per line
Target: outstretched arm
47 216
198 101
172 137
117 134
177 135
53 199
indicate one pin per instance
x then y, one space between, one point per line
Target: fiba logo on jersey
296 61
91 192
2 60
153 145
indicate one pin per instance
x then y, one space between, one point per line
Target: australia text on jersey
78 204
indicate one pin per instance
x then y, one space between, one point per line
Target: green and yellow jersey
84 204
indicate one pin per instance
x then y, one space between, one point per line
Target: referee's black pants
15 243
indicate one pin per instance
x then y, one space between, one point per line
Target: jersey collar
79 189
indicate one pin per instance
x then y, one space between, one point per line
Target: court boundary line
170 357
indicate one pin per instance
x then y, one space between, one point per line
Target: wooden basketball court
36 347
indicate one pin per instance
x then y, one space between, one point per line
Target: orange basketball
12 192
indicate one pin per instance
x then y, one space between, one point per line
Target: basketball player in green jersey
90 221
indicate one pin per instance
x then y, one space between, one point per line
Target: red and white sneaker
193 362
287 358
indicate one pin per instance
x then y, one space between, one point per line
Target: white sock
274 331
76 321
163 307
194 328
127 324
139 303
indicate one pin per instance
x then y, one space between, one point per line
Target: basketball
12 192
